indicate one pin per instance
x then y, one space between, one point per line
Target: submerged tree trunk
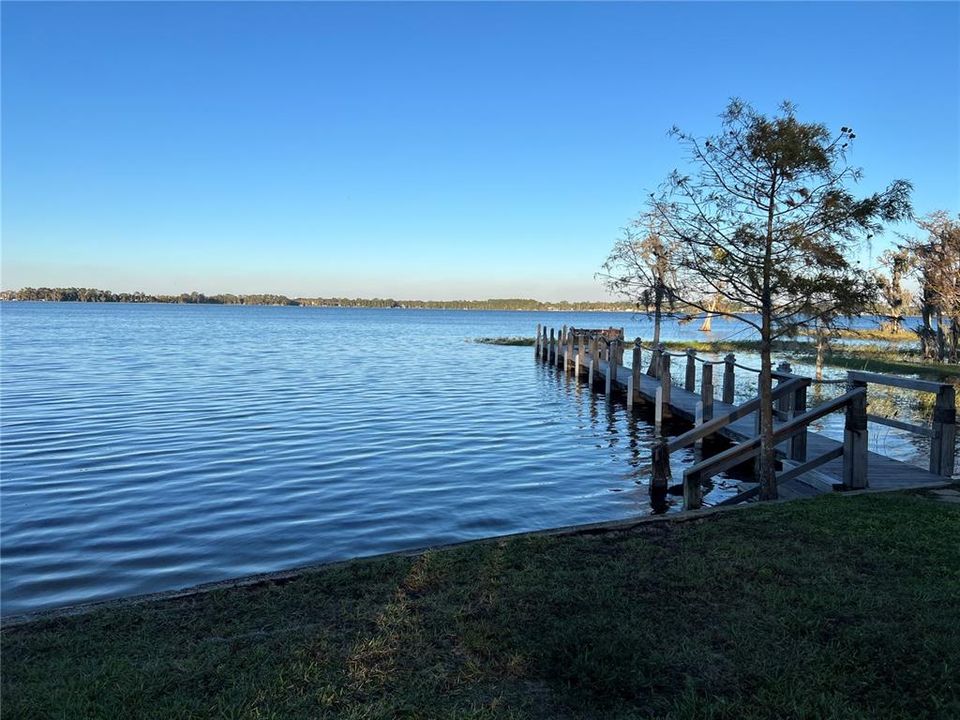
821 350
926 330
657 318
941 338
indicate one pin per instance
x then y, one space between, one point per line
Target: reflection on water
149 447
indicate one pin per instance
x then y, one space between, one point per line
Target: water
152 447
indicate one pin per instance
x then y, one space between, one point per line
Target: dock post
576 366
690 380
536 343
594 360
569 356
550 348
944 438
692 492
728 378
637 365
660 475
665 379
581 348
658 410
855 441
614 364
630 391
706 391
798 443
697 422
785 403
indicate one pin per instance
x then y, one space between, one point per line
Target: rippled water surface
150 447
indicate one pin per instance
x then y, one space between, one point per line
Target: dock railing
585 349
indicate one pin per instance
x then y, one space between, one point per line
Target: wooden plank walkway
883 472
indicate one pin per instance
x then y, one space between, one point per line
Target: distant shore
95 295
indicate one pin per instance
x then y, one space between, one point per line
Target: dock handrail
750 406
942 430
854 450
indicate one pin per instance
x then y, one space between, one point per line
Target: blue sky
419 150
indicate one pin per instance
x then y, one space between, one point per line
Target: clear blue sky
419 150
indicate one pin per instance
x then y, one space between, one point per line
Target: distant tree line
73 294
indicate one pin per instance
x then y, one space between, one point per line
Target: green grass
840 607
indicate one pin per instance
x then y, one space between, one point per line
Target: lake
153 447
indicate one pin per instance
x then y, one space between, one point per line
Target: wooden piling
614 363
944 437
690 379
550 348
692 491
665 379
637 365
590 374
581 348
594 360
536 344
855 441
728 379
798 443
706 391
658 409
566 361
660 474
630 391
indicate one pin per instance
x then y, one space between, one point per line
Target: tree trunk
955 339
766 467
767 464
657 318
821 351
926 330
707 325
941 338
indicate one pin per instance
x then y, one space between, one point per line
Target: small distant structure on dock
811 462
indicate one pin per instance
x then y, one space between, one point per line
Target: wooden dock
812 463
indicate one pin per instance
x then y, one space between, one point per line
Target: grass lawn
838 607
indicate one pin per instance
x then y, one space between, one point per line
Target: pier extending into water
811 462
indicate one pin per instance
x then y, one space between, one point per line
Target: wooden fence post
729 379
690 380
855 440
706 391
944 438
